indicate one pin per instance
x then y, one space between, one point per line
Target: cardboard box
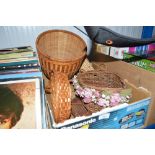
138 76
130 115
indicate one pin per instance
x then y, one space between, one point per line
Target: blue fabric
105 36
150 126
147 32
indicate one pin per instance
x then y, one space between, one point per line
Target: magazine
20 104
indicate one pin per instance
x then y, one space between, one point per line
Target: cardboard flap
125 71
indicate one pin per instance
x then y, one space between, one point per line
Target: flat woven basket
60 51
60 97
100 80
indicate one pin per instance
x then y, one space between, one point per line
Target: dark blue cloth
105 36
150 126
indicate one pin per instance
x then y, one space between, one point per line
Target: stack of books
19 59
141 56
145 51
148 64
21 80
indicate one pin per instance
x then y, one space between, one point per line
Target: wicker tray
100 80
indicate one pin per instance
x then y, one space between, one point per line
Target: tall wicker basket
60 51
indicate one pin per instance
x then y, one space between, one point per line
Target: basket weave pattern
99 66
60 97
93 107
100 80
49 66
102 88
86 66
60 51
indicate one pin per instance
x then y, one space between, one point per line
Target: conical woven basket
61 51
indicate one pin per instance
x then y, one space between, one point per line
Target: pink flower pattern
115 99
87 100
91 95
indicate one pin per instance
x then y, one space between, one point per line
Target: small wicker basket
100 80
60 97
60 51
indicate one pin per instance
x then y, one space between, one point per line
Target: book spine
140 62
145 64
142 50
145 51
152 59
18 59
101 49
118 52
18 63
21 66
20 75
17 49
16 55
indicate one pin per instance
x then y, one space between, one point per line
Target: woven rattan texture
86 66
60 97
78 108
100 80
61 51
92 107
99 66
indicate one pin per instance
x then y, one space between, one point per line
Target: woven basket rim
64 61
83 54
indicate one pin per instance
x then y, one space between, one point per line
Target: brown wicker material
86 66
100 80
99 66
61 51
60 97
78 108
92 107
